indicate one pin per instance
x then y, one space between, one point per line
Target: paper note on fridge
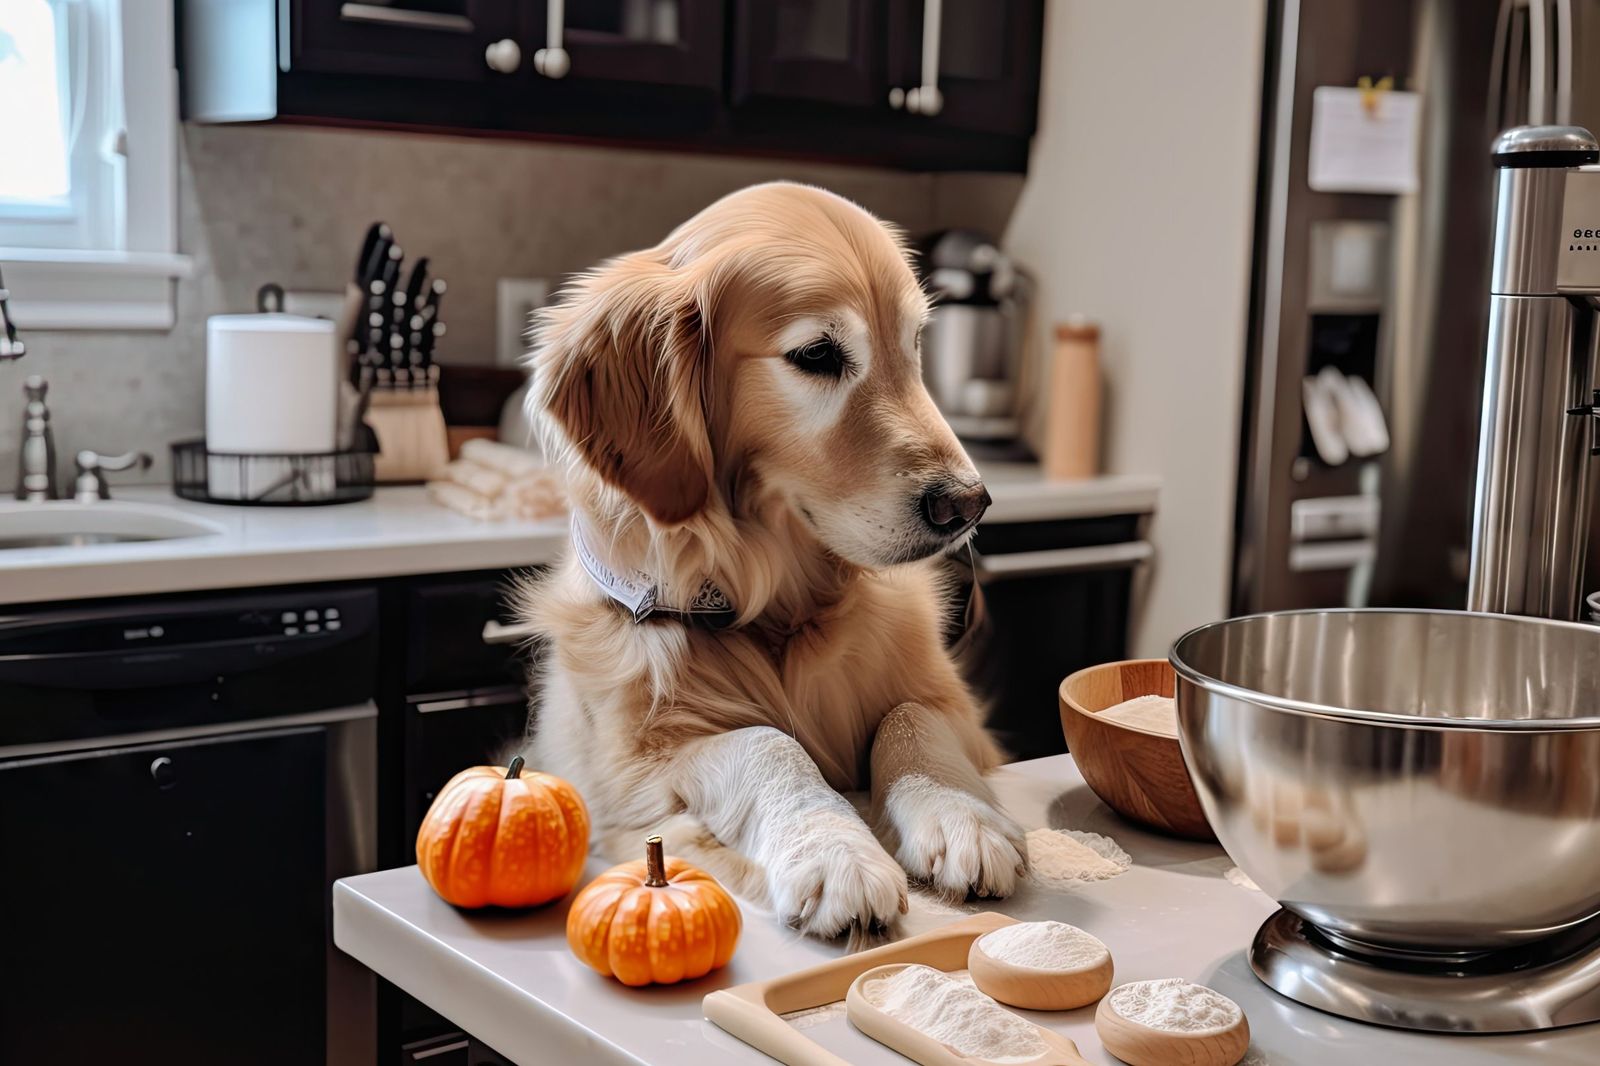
1359 149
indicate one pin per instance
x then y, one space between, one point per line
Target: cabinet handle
925 99
411 20
503 56
552 60
1087 559
499 633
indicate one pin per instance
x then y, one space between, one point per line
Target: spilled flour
938 905
1060 858
1173 1005
954 1012
1045 946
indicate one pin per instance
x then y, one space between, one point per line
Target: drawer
444 635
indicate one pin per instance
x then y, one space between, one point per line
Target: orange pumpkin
658 921
504 838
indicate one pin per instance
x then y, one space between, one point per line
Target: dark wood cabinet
447 39
821 79
642 42
988 70
811 51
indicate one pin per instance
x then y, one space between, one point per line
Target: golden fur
693 450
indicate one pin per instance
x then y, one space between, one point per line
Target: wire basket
305 480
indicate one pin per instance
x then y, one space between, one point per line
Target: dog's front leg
934 809
759 792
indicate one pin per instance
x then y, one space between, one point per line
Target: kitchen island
509 979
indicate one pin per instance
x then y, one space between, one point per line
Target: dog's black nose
951 507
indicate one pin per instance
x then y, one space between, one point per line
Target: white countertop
400 531
510 980
1022 493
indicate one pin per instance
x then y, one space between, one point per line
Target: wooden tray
751 1011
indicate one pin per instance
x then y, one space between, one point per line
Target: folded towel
463 500
512 462
479 479
493 482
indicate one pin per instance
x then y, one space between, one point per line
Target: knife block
412 441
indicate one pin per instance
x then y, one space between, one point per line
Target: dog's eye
822 357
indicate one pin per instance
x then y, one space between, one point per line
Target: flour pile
1159 714
1061 858
1045 946
1173 1005
954 1012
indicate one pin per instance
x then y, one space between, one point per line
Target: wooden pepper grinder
1072 428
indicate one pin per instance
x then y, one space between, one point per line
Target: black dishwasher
180 781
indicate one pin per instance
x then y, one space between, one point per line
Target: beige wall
1137 212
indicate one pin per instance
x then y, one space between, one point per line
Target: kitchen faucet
1531 513
10 346
36 459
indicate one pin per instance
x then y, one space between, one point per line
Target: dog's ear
621 367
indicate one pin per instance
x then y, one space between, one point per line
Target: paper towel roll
272 382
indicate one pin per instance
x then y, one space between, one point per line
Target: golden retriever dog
750 619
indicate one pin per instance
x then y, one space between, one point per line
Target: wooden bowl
1037 988
1140 1045
1137 773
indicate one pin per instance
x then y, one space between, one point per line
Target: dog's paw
957 842
835 877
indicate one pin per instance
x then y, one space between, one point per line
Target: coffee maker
972 347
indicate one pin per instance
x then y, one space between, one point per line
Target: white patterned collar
640 594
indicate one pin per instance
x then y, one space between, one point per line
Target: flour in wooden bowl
1174 1005
954 1012
1159 714
1045 946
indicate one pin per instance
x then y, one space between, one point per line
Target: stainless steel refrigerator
1392 529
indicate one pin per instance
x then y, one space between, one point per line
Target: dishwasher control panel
133 665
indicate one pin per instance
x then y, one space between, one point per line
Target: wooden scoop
920 1047
1035 988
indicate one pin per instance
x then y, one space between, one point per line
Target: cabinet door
988 61
447 734
165 903
830 51
652 42
413 38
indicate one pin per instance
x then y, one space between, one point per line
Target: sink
64 523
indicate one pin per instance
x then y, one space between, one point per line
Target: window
88 167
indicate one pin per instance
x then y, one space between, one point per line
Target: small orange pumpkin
504 838
654 922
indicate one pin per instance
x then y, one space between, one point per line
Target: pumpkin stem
514 771
655 863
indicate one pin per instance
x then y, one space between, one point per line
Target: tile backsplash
289 205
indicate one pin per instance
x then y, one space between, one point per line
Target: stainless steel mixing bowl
1423 782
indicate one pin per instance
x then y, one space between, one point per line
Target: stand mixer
1420 790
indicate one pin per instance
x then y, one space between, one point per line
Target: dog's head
767 348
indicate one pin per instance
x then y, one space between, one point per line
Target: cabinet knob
897 98
503 56
163 772
924 100
552 62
